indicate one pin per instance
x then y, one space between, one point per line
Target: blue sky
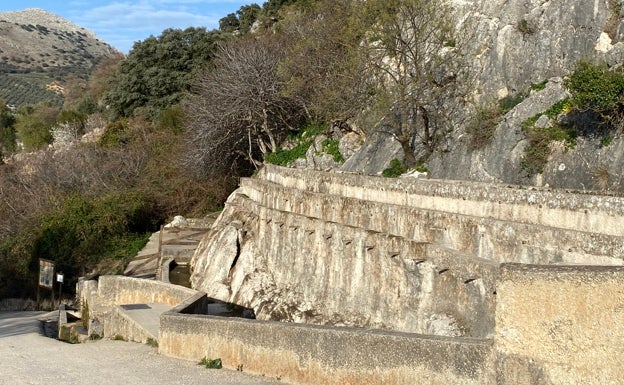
121 23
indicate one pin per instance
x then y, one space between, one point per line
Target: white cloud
121 23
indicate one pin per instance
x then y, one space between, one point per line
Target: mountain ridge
39 48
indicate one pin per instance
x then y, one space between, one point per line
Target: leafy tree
271 8
229 23
242 20
415 56
33 131
238 112
7 129
247 15
158 70
322 67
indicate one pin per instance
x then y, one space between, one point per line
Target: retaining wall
496 239
103 298
556 208
560 325
119 290
307 354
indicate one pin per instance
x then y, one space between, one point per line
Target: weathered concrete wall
408 255
560 325
364 278
101 300
119 290
306 354
560 209
489 238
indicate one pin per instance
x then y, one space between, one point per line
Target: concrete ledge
560 325
119 290
118 324
557 208
306 354
484 236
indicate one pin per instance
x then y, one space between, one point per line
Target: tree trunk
426 128
408 152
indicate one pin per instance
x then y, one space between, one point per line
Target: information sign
46 273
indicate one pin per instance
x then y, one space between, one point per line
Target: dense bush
33 131
482 126
597 88
80 233
158 71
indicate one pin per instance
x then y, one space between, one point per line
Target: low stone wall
117 324
306 354
119 290
100 301
560 325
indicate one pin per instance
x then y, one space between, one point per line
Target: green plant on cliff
211 364
396 169
302 140
331 147
482 126
595 87
538 151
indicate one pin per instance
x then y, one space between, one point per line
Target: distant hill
40 51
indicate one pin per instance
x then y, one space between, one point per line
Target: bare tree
415 54
238 111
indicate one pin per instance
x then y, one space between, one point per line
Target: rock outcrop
401 254
517 45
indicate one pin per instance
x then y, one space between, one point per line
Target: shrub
594 87
330 146
396 169
606 140
304 139
211 364
537 152
33 131
481 128
539 86
525 27
508 102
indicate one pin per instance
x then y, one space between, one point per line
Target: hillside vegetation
40 50
132 141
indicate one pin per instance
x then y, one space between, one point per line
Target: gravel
27 357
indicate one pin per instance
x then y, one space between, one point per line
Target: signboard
46 273
59 278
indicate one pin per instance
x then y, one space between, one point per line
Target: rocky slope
517 45
40 50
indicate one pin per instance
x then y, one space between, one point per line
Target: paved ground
28 358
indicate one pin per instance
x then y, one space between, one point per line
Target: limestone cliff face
522 42
517 44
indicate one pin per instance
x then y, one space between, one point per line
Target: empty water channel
180 274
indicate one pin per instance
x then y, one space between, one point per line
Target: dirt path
27 357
